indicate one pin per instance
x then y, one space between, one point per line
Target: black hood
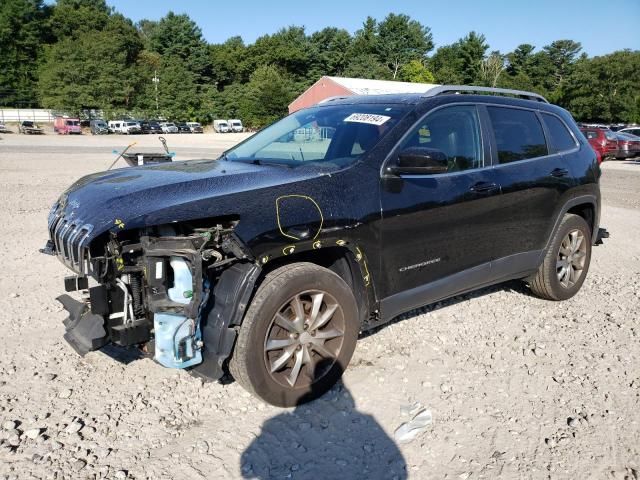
172 192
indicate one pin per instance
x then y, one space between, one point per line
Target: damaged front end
176 292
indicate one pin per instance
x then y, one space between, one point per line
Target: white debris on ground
515 386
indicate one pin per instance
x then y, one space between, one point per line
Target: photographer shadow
326 438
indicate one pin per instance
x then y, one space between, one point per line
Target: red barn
328 87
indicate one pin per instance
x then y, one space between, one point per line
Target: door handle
484 187
559 172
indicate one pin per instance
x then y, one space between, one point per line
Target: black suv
270 260
150 127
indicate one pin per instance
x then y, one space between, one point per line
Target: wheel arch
585 206
347 264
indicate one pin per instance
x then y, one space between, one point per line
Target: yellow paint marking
306 198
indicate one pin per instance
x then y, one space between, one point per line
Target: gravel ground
517 387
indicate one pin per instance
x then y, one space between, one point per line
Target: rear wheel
566 262
298 335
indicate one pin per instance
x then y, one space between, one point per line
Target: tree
491 68
74 18
96 68
471 49
226 59
178 36
367 66
446 65
329 52
266 97
416 72
289 50
400 40
562 55
605 88
365 40
23 31
520 59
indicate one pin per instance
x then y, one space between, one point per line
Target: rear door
533 178
436 225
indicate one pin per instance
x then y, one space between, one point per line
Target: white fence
20 114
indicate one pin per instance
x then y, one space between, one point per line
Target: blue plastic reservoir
176 336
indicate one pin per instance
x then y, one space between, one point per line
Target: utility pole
156 80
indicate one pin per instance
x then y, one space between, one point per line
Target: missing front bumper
84 330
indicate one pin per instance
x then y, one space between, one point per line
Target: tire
565 266
266 371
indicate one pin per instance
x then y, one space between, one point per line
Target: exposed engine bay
155 291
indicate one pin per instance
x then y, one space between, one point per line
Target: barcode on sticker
370 118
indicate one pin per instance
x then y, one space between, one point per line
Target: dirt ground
518 387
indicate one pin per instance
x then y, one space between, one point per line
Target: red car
603 141
628 145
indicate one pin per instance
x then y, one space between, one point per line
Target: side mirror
420 161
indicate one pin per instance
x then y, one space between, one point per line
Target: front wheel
566 262
298 335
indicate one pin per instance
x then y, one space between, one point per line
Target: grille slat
70 239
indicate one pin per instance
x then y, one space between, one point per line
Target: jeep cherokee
270 260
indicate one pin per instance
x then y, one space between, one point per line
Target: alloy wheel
571 258
304 339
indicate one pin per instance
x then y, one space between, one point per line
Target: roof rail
448 89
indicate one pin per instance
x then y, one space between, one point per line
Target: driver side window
455 131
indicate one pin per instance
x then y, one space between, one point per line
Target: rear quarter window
560 138
518 134
590 134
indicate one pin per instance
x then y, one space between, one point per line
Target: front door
436 225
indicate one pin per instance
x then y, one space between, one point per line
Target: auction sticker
370 118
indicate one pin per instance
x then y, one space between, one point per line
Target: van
127 127
235 125
66 125
221 126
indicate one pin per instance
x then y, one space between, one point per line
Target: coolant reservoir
176 336
182 290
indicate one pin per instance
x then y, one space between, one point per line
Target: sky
601 27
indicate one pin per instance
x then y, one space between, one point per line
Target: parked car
632 130
183 128
274 271
98 127
4 129
30 128
150 127
126 127
195 127
66 126
235 125
221 126
168 127
628 145
603 141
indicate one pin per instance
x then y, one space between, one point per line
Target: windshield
74 123
337 134
27 124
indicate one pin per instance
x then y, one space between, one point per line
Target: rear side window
590 134
519 135
560 138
